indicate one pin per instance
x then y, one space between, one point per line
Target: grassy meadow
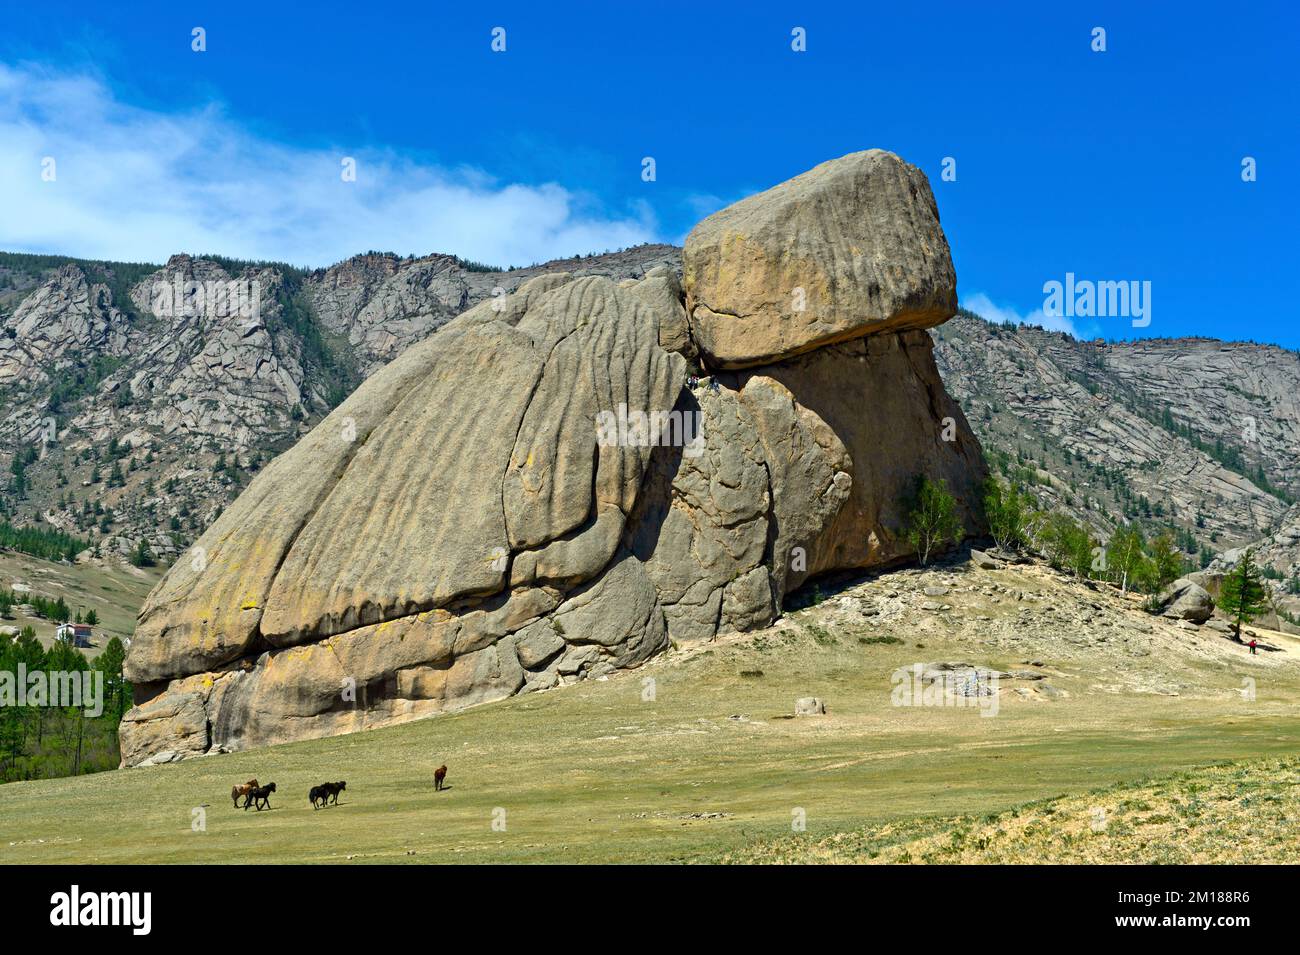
713 768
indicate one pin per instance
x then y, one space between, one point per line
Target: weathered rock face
214 343
1279 551
534 495
850 248
65 318
405 545
1119 428
383 304
1187 600
847 429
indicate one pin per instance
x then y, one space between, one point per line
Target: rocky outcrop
546 489
214 368
846 431
1186 600
1279 550
1277 555
1090 416
65 318
432 542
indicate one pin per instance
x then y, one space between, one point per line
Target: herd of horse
326 794
259 797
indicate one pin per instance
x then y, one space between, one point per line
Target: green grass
593 773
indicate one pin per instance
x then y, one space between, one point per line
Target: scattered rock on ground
809 706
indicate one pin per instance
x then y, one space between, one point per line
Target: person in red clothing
1252 644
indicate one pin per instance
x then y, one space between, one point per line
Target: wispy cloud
137 184
982 305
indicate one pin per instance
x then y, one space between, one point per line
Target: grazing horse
242 790
439 775
316 794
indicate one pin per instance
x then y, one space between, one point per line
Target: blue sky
1122 165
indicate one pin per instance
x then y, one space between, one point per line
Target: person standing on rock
1252 646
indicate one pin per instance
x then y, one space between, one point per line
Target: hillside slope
113 590
1235 814
1188 434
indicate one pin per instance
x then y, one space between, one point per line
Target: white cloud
135 184
982 305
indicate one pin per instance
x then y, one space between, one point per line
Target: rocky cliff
562 479
1190 434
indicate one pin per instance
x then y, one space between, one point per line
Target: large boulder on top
850 248
538 494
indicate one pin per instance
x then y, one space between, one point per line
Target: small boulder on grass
809 706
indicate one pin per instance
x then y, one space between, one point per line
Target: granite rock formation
560 480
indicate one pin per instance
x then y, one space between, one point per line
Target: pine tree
1166 562
110 661
141 556
1242 596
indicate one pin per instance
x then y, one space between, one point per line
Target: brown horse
242 790
439 775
